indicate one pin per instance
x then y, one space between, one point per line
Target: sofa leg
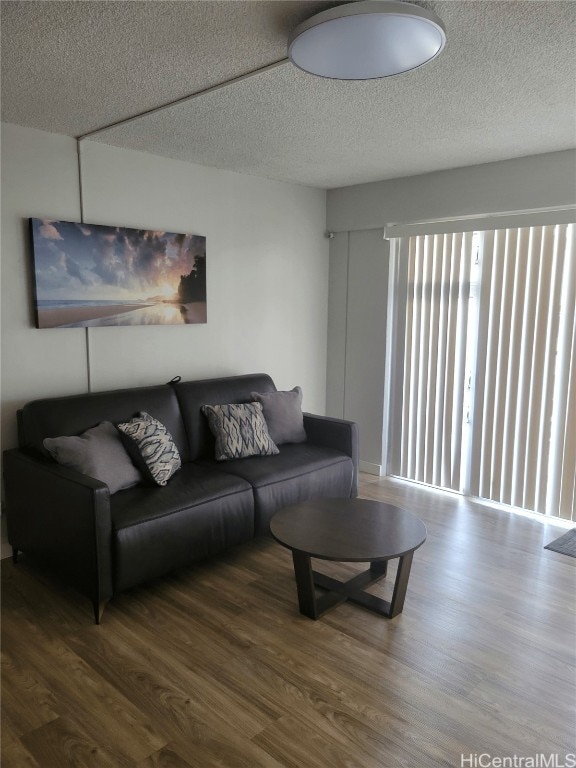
15 552
99 606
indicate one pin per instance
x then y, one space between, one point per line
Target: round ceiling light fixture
367 40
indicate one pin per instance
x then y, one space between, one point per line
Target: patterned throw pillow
151 447
240 431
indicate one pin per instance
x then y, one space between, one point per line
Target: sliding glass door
484 389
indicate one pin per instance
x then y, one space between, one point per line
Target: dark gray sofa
102 543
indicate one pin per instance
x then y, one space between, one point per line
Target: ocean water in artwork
153 314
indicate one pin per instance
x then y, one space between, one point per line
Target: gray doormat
566 544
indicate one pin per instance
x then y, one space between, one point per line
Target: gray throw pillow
283 414
240 431
98 453
151 447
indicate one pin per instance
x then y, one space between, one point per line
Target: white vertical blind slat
415 362
407 382
562 488
489 437
551 323
395 355
423 371
532 451
445 288
525 370
458 383
518 247
567 508
433 327
486 248
502 379
450 361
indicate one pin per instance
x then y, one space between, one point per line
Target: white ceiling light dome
367 40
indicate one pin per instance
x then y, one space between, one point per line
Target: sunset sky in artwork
89 262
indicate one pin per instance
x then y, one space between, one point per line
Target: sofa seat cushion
157 529
299 472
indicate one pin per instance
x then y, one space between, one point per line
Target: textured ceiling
504 87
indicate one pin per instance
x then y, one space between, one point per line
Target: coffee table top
348 530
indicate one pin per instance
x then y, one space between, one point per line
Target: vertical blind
435 329
485 347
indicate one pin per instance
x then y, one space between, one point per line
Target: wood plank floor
214 666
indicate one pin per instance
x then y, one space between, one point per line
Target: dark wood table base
338 592
346 530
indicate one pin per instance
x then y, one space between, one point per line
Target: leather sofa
104 543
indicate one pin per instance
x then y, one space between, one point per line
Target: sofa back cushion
73 415
192 395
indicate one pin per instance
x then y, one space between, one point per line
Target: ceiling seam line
183 99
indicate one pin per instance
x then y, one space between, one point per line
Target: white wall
357 336
267 273
525 183
359 264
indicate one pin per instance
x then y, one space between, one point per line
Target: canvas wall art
96 275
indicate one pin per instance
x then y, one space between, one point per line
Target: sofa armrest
335 433
61 517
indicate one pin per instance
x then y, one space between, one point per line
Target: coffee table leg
379 567
305 584
400 585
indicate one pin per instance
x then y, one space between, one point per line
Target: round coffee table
348 530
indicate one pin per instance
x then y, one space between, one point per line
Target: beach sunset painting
96 275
